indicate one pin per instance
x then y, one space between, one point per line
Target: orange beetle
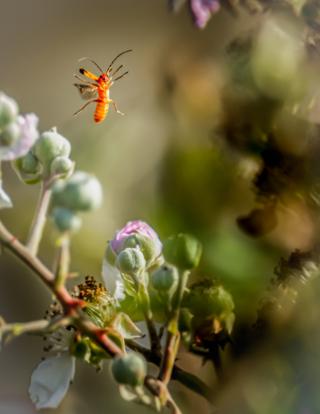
98 90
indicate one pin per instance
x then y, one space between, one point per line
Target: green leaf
126 327
115 337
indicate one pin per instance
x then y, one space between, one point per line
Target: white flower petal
50 381
5 201
111 277
29 134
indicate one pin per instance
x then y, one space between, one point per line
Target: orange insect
98 91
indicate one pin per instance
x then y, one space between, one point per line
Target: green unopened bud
147 245
66 220
28 164
8 110
49 146
61 166
165 279
207 299
131 261
129 369
81 192
183 251
10 134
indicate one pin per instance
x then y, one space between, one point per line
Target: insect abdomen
101 111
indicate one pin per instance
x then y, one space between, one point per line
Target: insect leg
85 105
115 107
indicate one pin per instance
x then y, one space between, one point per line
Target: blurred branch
39 219
62 263
10 331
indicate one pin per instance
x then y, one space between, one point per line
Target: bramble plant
147 290
144 279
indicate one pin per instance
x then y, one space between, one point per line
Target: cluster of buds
134 250
81 192
47 160
18 133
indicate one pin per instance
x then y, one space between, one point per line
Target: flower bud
148 247
165 278
208 299
10 134
8 110
28 164
129 369
51 145
61 166
131 261
81 192
66 220
136 228
183 251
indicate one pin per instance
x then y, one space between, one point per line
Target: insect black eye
81 70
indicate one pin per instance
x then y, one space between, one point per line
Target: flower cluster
145 280
18 133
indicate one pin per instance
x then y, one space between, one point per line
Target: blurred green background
176 161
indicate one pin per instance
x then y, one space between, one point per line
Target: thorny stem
173 334
39 219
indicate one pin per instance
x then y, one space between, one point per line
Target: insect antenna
121 76
116 71
120 54
92 61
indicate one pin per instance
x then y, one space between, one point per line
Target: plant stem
39 219
173 334
62 260
147 312
12 330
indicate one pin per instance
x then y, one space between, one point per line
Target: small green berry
129 369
